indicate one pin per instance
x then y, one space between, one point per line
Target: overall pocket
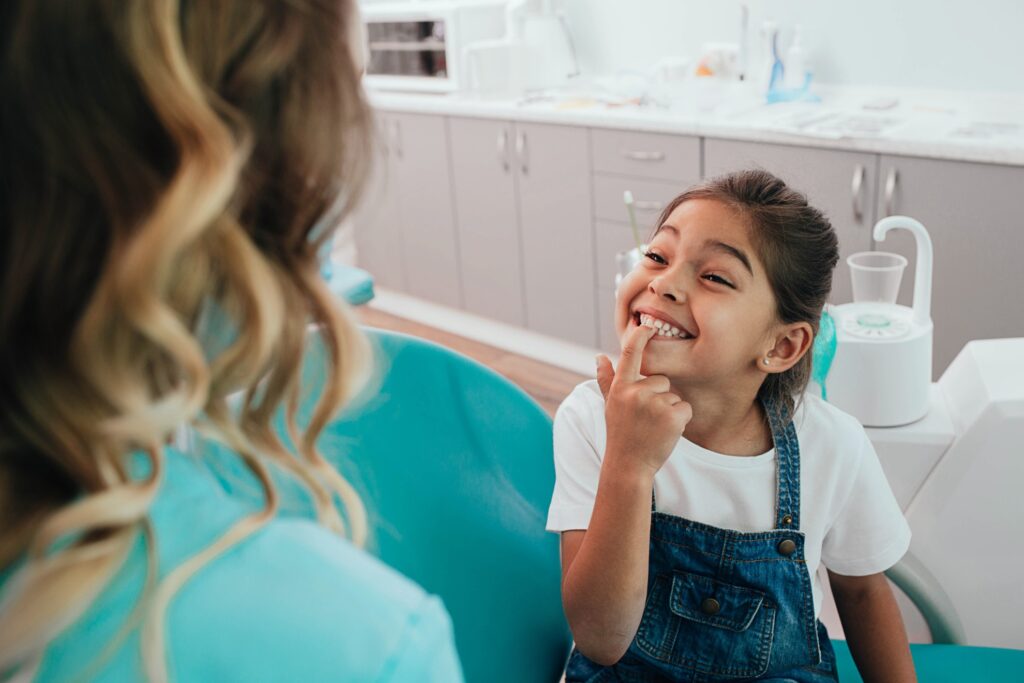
696 623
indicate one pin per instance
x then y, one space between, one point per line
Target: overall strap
787 460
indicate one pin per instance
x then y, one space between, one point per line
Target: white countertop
955 125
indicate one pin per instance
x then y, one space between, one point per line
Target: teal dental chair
352 284
455 466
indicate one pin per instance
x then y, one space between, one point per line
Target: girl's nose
664 288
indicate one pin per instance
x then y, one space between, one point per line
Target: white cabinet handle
857 192
644 156
396 136
521 152
644 205
890 192
503 149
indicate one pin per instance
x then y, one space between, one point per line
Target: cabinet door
973 215
841 184
487 219
427 218
376 220
553 167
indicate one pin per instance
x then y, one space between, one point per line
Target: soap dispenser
796 62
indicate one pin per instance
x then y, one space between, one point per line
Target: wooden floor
547 384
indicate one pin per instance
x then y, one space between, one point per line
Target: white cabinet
427 217
522 197
411 204
839 183
972 212
553 166
376 220
487 211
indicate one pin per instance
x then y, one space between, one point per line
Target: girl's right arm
604 569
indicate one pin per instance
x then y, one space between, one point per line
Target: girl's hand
644 419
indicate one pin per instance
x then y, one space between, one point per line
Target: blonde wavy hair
160 156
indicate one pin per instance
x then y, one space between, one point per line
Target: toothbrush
627 197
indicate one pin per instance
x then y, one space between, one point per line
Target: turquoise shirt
292 602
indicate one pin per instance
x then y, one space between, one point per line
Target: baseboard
562 354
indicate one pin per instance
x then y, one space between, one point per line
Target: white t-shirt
851 520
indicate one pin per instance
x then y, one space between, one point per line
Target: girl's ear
791 343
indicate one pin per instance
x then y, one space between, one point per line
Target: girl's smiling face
702 279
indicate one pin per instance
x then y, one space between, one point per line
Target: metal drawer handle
521 151
644 156
890 192
857 192
503 149
642 205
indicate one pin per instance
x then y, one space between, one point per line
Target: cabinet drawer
649 198
648 155
610 238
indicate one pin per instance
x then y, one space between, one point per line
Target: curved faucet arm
925 258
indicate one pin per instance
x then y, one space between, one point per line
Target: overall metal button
787 519
787 547
710 606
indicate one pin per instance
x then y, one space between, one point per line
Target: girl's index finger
633 354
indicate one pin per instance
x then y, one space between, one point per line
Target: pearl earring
766 361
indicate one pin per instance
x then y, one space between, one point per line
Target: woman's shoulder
292 601
296 602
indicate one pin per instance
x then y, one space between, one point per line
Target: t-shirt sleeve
578 453
426 651
869 534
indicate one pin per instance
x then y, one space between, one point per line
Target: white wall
947 44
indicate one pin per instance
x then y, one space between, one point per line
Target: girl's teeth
662 328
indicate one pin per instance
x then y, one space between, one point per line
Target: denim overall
726 605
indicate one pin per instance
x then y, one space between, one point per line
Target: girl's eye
655 257
718 279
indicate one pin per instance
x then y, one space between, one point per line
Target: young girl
695 558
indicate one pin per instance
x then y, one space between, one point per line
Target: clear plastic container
876 276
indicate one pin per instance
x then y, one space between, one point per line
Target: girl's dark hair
799 250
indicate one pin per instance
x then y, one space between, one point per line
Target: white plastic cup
876 276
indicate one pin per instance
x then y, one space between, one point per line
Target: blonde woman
168 166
